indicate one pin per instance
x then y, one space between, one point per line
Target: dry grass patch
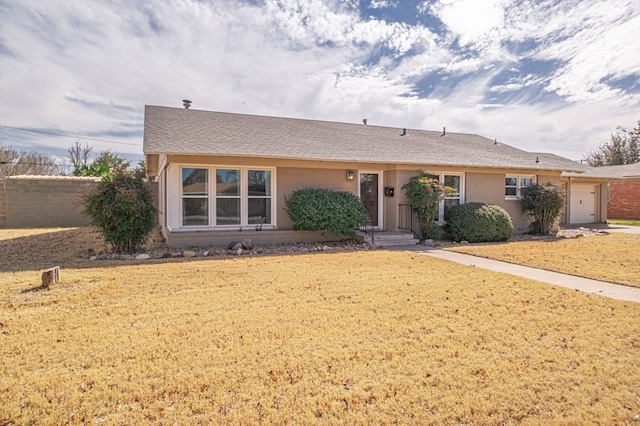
357 338
614 258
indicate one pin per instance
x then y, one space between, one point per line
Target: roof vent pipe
364 121
186 103
404 132
444 131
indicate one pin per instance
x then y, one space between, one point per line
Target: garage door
583 204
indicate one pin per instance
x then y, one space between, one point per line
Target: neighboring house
624 191
226 176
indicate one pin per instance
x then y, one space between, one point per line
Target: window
195 197
513 185
228 197
239 197
453 192
259 197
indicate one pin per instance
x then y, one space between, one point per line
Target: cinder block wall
44 201
624 199
3 204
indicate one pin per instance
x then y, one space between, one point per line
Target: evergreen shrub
478 222
315 209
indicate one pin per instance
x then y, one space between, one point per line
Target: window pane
228 182
526 181
510 192
450 203
195 211
195 181
259 211
452 183
259 183
227 211
511 181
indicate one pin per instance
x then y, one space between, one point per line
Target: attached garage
582 203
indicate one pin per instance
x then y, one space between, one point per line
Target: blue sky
550 76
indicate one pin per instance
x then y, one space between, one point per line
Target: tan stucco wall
290 179
480 185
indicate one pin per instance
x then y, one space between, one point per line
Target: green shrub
543 203
337 212
479 222
122 208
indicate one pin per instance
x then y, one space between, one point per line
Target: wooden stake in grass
50 276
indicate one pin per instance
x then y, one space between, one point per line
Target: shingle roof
630 171
197 132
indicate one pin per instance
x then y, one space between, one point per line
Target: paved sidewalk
614 291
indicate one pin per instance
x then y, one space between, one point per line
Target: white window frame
206 195
244 197
518 186
459 197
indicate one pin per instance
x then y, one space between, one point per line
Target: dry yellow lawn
351 338
614 257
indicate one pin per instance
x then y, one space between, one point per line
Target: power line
68 136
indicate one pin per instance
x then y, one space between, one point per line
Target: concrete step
388 239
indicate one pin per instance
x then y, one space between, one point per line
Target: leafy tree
93 169
122 208
14 162
543 203
106 164
113 160
624 148
425 192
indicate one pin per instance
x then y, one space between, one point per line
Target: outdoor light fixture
350 174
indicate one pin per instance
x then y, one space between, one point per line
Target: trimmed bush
543 203
479 222
337 212
122 209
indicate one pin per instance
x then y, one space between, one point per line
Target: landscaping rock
166 255
231 245
236 246
89 253
189 253
247 244
142 256
463 242
428 242
104 256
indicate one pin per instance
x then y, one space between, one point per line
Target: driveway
607 227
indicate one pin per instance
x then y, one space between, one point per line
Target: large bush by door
337 212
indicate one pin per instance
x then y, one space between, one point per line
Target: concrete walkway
614 291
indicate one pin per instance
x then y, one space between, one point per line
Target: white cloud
382 4
89 66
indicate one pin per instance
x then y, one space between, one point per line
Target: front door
371 196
